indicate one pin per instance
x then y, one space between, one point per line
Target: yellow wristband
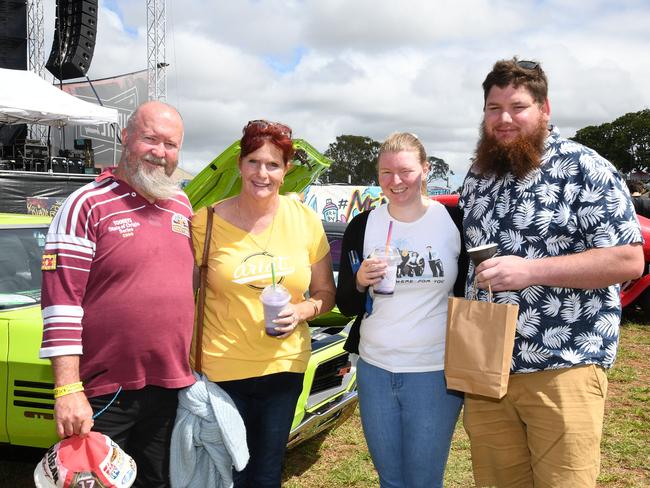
313 302
60 391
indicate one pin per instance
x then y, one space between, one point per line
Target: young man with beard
117 297
567 234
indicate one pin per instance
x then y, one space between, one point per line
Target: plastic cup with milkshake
391 257
274 299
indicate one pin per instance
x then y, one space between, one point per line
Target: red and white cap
94 461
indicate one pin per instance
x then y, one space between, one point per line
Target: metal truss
156 64
36 54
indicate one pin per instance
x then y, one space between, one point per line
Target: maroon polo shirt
117 287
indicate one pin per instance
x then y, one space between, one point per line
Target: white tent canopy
25 98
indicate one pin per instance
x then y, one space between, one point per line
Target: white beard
155 183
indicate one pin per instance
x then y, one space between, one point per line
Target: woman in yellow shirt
262 373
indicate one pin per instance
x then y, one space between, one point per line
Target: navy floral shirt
575 201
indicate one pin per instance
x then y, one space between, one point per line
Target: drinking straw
273 273
390 231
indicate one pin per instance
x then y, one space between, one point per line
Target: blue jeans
267 405
408 420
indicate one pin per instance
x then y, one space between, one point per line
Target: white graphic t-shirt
406 331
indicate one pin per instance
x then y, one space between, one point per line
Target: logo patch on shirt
48 262
180 224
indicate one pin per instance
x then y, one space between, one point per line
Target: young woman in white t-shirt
408 415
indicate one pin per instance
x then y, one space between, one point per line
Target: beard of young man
153 182
519 156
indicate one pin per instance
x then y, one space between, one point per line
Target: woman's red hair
258 132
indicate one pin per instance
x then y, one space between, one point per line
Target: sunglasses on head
265 124
527 64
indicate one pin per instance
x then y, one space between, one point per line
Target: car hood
31 312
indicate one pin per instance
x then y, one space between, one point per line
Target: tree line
625 142
355 162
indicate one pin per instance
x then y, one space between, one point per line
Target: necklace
250 234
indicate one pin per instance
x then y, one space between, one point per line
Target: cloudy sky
371 67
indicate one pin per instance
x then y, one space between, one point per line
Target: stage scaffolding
156 64
36 55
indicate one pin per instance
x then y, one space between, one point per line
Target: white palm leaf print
550 150
533 252
555 244
480 205
548 193
591 194
613 298
589 342
544 219
562 214
524 184
469 184
466 203
572 356
610 353
593 306
629 231
587 163
597 169
532 239
485 183
606 235
617 202
571 308
571 192
528 323
511 297
513 364
496 189
563 168
511 240
556 366
528 370
607 325
525 215
489 225
552 305
532 294
568 146
507 179
572 225
554 337
591 215
533 353
503 204
579 247
474 236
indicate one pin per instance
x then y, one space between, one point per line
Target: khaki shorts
544 433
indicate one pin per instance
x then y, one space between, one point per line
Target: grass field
340 458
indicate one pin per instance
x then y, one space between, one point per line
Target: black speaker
13 35
75 30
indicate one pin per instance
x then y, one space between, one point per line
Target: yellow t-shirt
235 345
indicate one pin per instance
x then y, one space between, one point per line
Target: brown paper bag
478 351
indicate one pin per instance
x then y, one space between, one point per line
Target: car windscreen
20 266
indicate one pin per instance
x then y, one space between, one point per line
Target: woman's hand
371 271
287 321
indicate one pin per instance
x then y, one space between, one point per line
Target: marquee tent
25 98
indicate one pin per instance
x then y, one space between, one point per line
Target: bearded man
117 297
567 234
